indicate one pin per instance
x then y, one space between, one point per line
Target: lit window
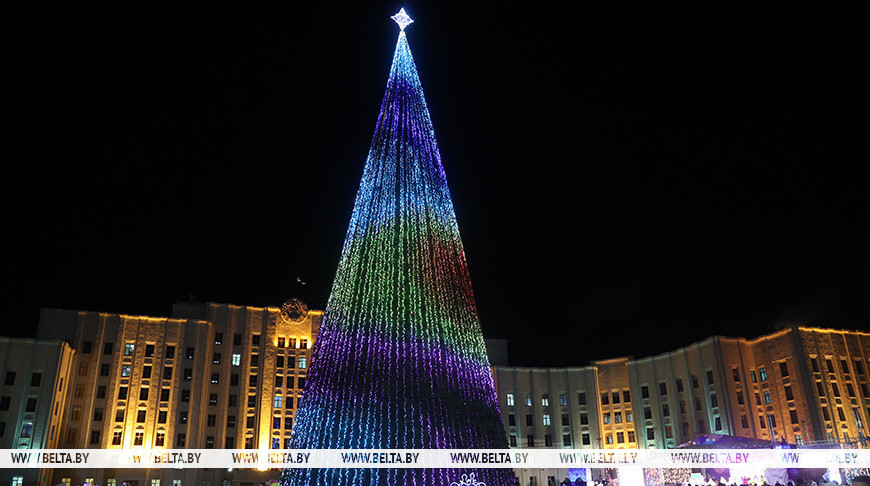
510 399
303 362
125 370
545 400
546 419
767 399
26 430
606 418
563 400
528 399
763 373
237 359
128 349
278 401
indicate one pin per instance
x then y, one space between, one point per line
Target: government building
229 376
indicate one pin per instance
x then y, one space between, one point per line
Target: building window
735 372
218 337
303 344
279 381
104 369
530 440
212 399
650 433
185 396
4 403
629 417
694 382
279 363
563 399
709 377
581 398
605 399
679 385
606 417
584 419
288 423
116 437
513 440
140 416
146 372
125 370
546 419
35 379
119 415
237 339
215 378
237 359
793 416
278 401
231 421
216 358
95 437
180 439
763 373
666 410
528 399
255 360
98 415
545 400
149 350
252 380
744 422
840 414
160 441
255 340
835 389
143 393
617 417
609 439
281 342
76 411
122 393
614 397
31 405
529 420
170 352
188 374
303 362
138 438
510 399
10 378
26 430
128 349
161 417
108 348
647 413
669 432
631 436
714 402
584 438
644 392
697 404
789 395
850 390
626 396
182 417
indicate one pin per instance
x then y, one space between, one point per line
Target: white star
402 19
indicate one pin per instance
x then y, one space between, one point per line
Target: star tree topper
402 19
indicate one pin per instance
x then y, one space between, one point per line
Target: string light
400 360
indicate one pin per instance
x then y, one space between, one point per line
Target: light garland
400 360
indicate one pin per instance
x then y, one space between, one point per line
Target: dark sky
626 182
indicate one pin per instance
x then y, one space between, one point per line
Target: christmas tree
400 361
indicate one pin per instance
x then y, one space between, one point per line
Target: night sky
626 182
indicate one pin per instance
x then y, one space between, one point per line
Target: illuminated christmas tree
400 360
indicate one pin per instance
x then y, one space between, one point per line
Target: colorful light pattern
400 360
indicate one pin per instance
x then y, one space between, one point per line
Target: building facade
32 398
228 376
211 376
802 385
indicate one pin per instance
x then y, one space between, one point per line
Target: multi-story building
798 385
32 399
227 376
211 376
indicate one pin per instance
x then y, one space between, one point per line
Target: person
861 481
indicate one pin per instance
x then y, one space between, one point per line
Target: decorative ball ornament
294 310
402 19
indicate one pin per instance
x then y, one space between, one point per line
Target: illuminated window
762 373
545 399
609 439
563 400
607 418
276 442
546 419
617 417
128 349
279 400
26 430
510 399
629 417
528 399
303 362
18 480
237 359
125 370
